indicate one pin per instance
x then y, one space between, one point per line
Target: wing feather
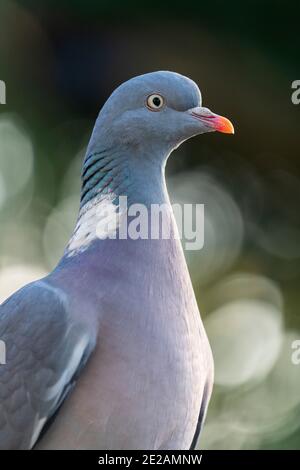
45 349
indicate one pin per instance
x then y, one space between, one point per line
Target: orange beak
222 124
216 122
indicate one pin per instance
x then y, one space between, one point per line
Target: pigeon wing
45 351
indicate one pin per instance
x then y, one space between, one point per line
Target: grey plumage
45 349
110 348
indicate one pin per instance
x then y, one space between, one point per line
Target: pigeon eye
155 102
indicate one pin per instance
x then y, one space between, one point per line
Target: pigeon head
159 109
138 127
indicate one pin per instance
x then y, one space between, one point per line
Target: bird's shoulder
45 349
31 303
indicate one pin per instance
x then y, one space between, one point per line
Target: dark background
61 60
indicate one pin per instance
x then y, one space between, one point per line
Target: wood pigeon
109 351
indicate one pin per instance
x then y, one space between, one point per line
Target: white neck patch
97 219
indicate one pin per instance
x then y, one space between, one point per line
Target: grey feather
41 338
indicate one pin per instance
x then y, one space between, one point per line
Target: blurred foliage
61 60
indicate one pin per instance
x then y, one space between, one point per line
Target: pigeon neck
106 176
109 174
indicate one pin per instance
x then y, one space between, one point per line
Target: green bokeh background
61 60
